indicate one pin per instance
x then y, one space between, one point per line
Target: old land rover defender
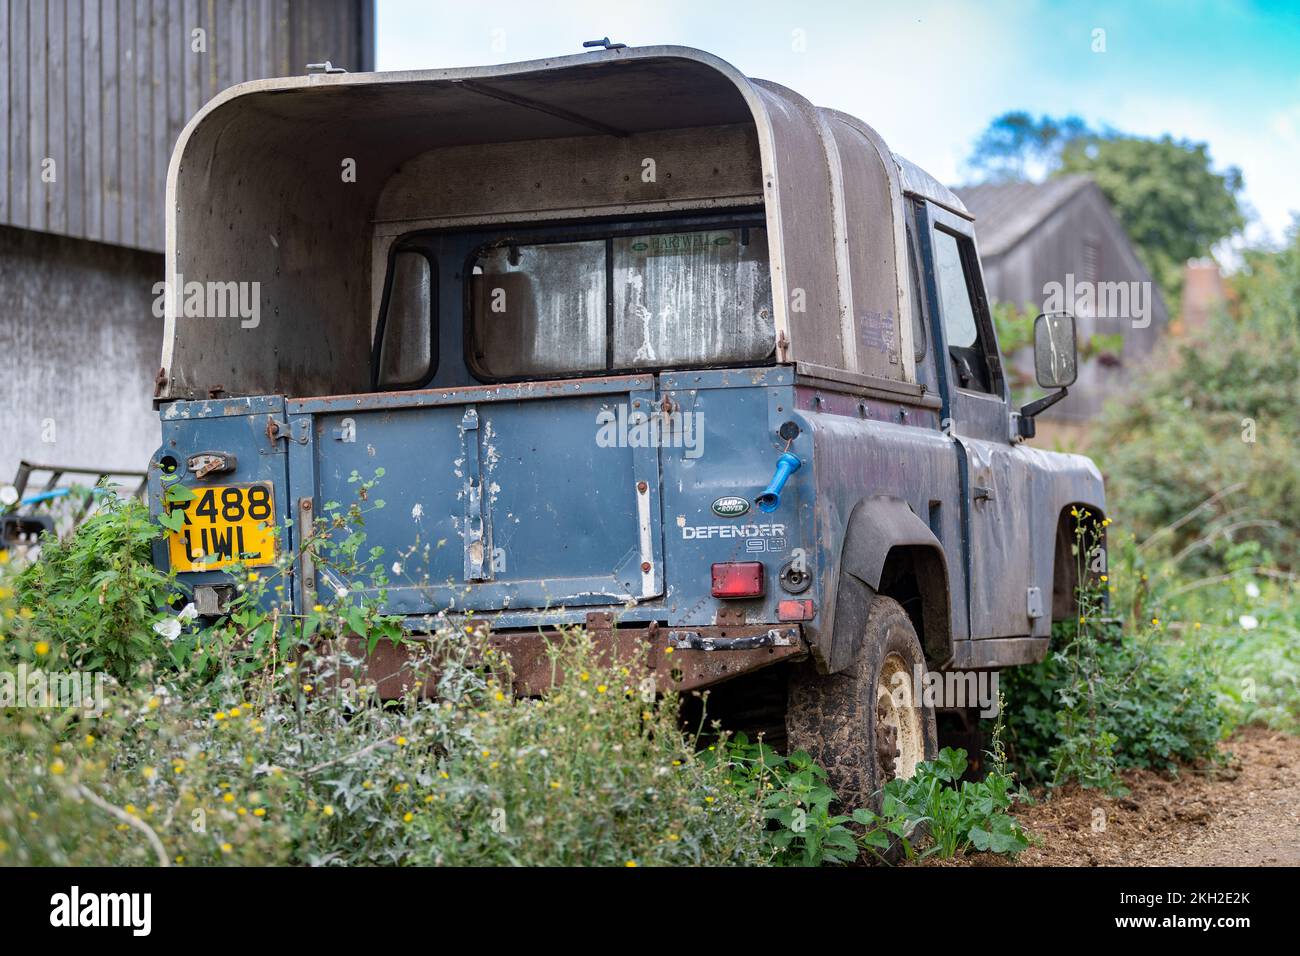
642 345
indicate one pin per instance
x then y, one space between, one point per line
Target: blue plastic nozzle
770 498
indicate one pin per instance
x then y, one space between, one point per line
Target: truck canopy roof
258 192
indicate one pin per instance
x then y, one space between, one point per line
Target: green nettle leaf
355 615
177 493
172 521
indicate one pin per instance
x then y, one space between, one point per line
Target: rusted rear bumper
683 659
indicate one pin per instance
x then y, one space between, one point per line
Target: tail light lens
739 579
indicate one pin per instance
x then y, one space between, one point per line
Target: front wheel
867 724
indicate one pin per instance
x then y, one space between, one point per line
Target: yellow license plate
224 525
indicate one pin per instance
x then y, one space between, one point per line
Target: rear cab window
621 303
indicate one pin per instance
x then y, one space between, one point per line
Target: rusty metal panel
646 652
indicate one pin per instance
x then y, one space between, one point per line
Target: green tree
1173 205
1164 191
1014 142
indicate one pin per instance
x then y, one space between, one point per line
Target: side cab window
404 353
920 314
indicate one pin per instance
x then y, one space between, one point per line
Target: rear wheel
866 725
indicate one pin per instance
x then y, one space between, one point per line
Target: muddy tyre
865 724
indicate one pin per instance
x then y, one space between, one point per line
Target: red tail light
739 579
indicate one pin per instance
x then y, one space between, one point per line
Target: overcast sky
930 75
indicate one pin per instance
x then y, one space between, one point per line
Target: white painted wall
79 348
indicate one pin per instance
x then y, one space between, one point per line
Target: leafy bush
1110 697
1244 627
90 603
955 816
306 768
594 773
1154 709
1220 415
795 799
248 740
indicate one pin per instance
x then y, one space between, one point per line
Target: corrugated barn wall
103 88
94 95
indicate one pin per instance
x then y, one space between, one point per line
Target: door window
965 321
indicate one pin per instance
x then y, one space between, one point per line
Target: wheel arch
888 550
1073 517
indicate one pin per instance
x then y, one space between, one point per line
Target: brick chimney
1203 293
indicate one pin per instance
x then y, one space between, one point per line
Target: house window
1091 260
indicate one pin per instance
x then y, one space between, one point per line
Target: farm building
95 93
1057 245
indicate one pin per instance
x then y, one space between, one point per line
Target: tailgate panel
494 497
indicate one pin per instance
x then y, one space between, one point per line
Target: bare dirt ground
1244 813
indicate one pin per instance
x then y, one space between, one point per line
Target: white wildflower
1248 621
169 628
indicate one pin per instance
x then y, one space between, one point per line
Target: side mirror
1056 365
1056 352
